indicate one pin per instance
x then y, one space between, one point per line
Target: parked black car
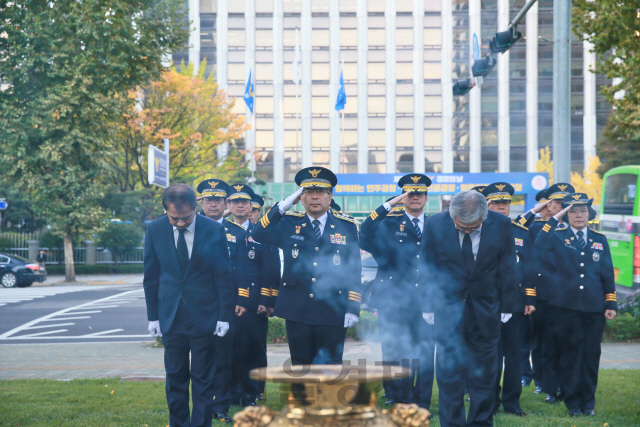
16 271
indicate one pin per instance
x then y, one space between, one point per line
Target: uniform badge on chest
298 227
295 252
251 254
336 259
401 228
596 256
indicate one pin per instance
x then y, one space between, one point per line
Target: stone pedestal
33 250
91 252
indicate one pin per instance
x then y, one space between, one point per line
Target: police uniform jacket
392 238
237 247
584 279
254 265
525 267
545 266
321 278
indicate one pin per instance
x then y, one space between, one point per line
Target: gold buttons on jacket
315 264
417 243
313 279
310 295
582 275
581 253
582 264
581 287
317 249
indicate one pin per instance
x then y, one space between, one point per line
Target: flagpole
296 76
297 130
342 164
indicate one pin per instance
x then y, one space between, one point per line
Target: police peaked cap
241 191
541 197
479 188
213 188
334 206
316 177
257 202
577 199
559 191
414 183
498 192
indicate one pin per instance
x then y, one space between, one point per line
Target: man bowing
189 293
469 288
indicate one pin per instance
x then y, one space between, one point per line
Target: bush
366 329
120 239
277 332
624 327
630 304
5 244
98 269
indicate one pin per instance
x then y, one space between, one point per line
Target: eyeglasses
467 228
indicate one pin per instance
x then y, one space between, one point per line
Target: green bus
620 222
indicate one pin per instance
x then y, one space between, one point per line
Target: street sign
158 168
476 47
3 205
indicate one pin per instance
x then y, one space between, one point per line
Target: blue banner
353 184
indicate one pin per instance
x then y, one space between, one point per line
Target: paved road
86 313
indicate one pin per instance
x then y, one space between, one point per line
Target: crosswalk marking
13 295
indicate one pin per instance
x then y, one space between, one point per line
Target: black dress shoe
589 413
261 398
517 412
525 383
575 412
223 417
550 399
390 402
249 403
537 390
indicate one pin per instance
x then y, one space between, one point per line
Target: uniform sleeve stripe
374 215
522 221
546 228
264 221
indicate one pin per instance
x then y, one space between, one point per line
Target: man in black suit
189 294
469 288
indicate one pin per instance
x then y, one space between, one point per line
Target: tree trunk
69 268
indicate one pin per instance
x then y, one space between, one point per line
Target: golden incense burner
331 395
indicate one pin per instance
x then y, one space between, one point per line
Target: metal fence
54 256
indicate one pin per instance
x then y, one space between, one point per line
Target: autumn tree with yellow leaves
590 182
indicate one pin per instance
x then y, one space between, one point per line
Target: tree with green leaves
120 239
67 64
612 26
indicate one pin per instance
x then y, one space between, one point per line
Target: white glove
221 329
429 318
286 204
350 319
154 328
504 317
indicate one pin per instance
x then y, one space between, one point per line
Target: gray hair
469 207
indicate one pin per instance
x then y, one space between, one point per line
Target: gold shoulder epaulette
235 223
344 217
540 220
597 232
394 214
296 213
561 229
519 225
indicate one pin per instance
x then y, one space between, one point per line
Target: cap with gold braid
316 177
213 188
576 199
257 202
479 188
498 192
559 191
541 197
334 206
241 191
414 183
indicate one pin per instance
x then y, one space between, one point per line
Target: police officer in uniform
544 337
583 296
498 197
395 240
213 197
334 206
320 288
253 264
529 373
257 203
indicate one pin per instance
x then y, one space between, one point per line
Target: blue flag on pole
342 96
249 93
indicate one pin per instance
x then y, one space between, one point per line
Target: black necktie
467 253
418 232
581 241
183 252
316 228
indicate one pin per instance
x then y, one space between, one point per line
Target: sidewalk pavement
138 360
94 279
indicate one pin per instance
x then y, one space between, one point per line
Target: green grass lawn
111 402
